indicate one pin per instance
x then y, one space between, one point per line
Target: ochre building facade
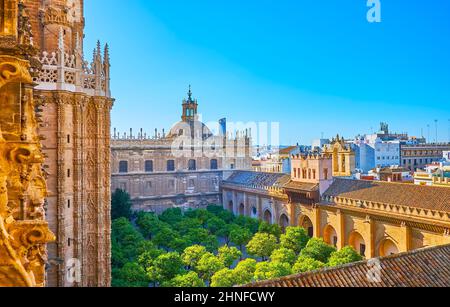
76 142
23 229
376 218
183 168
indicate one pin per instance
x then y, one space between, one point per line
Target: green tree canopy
186 224
271 270
224 278
188 280
318 250
125 240
201 236
284 255
120 205
344 256
215 210
201 214
306 264
247 222
262 245
131 275
179 244
228 255
240 236
172 216
227 216
166 267
295 238
147 258
272 229
215 224
149 224
209 265
192 255
164 237
245 271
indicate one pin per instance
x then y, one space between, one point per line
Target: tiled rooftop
304 186
422 197
422 268
251 179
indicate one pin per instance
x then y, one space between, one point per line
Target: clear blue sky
313 65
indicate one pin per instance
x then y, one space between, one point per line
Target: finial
106 54
190 94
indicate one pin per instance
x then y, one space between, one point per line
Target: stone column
405 244
317 222
292 214
370 252
259 207
235 206
246 205
340 229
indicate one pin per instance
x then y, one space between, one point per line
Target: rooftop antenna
449 130
436 125
428 139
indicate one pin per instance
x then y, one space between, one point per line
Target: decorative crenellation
162 135
389 208
62 70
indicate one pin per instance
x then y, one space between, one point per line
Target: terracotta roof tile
250 179
399 194
429 267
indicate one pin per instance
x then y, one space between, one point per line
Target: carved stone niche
23 229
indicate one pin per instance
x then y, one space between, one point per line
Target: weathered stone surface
23 229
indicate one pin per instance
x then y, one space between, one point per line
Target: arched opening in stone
284 222
330 235
268 216
241 209
306 223
254 212
388 248
230 206
356 240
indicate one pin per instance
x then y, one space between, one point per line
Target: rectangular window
171 166
149 166
325 173
68 173
214 164
192 165
123 167
68 203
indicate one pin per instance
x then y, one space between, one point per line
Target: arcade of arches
371 234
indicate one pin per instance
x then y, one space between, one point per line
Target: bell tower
190 107
75 128
51 17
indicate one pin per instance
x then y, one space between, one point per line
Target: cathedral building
183 168
75 133
376 218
